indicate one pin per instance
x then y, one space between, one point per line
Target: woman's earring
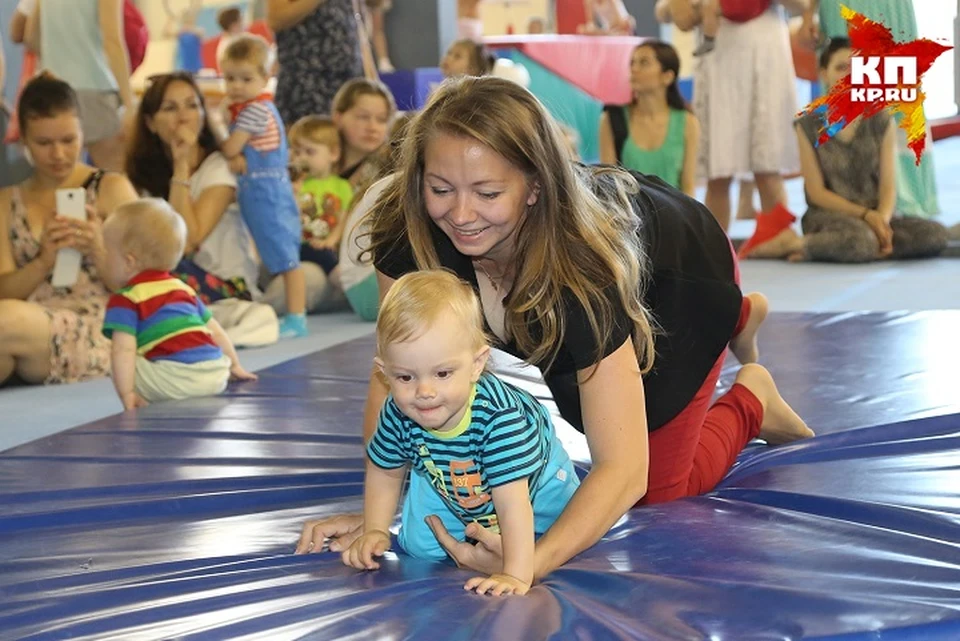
28 156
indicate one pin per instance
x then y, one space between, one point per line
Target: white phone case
71 203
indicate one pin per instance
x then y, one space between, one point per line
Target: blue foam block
411 88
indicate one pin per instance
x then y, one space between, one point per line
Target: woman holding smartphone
47 334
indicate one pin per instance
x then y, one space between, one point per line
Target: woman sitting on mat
916 184
656 134
587 273
48 334
851 187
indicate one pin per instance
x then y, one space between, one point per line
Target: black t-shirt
691 292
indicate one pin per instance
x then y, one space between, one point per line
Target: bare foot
782 245
780 423
797 257
744 345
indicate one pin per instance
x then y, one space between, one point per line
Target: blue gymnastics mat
180 522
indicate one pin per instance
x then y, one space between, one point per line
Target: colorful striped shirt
505 435
166 317
257 119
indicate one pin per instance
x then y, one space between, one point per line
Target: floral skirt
78 348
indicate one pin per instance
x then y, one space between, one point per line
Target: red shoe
769 224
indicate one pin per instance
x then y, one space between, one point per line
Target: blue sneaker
293 326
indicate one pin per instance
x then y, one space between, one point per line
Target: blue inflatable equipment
180 521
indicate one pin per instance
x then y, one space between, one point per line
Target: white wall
935 20
498 14
161 54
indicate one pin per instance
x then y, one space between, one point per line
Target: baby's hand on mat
132 401
497 585
360 554
237 373
341 531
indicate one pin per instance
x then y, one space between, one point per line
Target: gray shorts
100 114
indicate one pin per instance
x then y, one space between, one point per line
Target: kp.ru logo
898 84
884 74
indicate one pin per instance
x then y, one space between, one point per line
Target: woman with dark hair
656 134
916 184
851 188
48 334
174 155
150 164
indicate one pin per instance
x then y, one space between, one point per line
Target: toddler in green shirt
323 196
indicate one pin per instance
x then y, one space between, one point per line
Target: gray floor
30 413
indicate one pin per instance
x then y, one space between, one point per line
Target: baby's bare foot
780 423
744 345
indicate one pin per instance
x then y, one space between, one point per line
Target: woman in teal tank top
655 134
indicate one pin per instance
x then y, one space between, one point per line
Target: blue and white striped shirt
506 435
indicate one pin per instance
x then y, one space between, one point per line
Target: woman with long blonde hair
622 290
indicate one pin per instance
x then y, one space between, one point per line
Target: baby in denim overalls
257 151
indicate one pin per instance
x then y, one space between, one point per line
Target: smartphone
71 203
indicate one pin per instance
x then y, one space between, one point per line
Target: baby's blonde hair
417 299
251 49
152 231
319 130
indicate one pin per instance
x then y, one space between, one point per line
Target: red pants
693 452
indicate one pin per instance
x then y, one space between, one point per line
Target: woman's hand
238 164
58 234
880 227
341 530
497 585
485 556
181 146
809 32
86 236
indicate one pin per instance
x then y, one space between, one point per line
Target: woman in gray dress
851 188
